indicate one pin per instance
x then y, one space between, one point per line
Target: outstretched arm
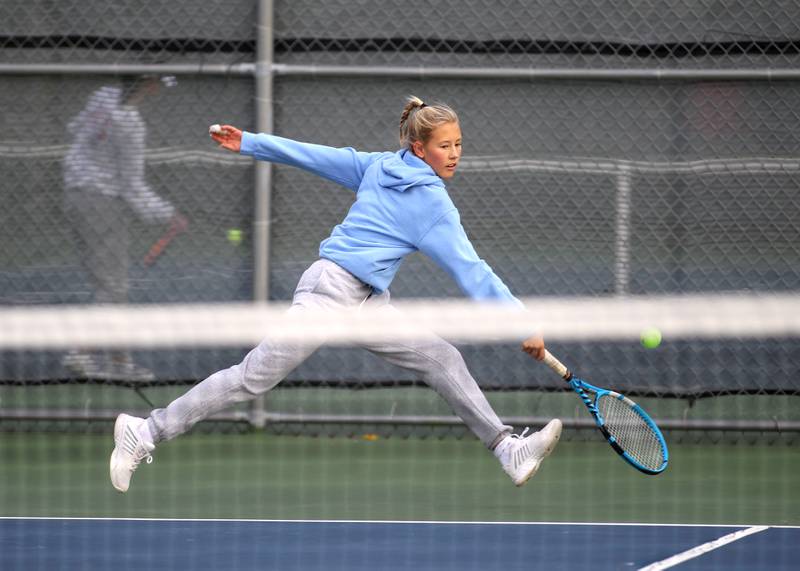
344 166
447 244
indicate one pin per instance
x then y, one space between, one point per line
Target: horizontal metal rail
723 425
404 72
533 74
244 69
83 415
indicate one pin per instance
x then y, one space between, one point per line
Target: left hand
229 137
534 346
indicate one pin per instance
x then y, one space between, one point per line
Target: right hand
228 138
178 223
534 346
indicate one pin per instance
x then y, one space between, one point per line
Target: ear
418 149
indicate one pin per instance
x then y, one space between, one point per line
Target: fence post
622 242
263 173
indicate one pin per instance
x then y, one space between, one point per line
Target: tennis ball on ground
651 338
234 236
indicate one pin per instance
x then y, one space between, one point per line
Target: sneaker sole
112 465
119 429
549 450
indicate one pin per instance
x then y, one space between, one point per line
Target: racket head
629 430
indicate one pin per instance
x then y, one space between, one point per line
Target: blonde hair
419 119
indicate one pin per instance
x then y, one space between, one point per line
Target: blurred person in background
104 188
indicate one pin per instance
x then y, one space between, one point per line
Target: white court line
403 521
704 548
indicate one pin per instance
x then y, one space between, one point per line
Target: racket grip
557 365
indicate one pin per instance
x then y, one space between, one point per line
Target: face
442 151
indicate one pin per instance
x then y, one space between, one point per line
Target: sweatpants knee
250 379
445 357
267 365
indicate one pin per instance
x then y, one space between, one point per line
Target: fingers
534 346
227 136
535 352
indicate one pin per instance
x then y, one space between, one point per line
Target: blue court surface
148 544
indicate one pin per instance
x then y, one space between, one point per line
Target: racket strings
632 432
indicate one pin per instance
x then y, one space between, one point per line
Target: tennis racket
625 425
177 226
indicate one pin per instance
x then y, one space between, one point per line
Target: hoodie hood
404 170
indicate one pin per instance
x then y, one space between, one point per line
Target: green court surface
262 475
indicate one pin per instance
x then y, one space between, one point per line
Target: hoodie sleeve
343 166
128 138
447 244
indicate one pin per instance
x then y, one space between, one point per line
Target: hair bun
415 126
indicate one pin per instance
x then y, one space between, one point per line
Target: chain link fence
588 168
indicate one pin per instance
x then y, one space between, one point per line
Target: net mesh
162 348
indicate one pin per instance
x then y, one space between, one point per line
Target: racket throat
587 400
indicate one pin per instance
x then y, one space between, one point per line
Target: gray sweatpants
100 229
327 285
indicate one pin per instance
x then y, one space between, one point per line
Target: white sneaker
521 456
80 364
105 368
129 450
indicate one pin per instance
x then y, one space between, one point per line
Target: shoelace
524 432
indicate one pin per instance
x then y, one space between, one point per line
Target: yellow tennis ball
651 338
235 236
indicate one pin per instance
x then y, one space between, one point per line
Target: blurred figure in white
105 186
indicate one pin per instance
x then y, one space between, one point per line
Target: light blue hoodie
401 206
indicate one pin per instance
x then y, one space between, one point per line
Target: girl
401 206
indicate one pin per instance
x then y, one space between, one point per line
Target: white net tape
562 319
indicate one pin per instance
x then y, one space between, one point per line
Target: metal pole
263 173
722 425
267 68
532 74
246 69
622 246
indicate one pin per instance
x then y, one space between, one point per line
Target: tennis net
348 437
725 362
